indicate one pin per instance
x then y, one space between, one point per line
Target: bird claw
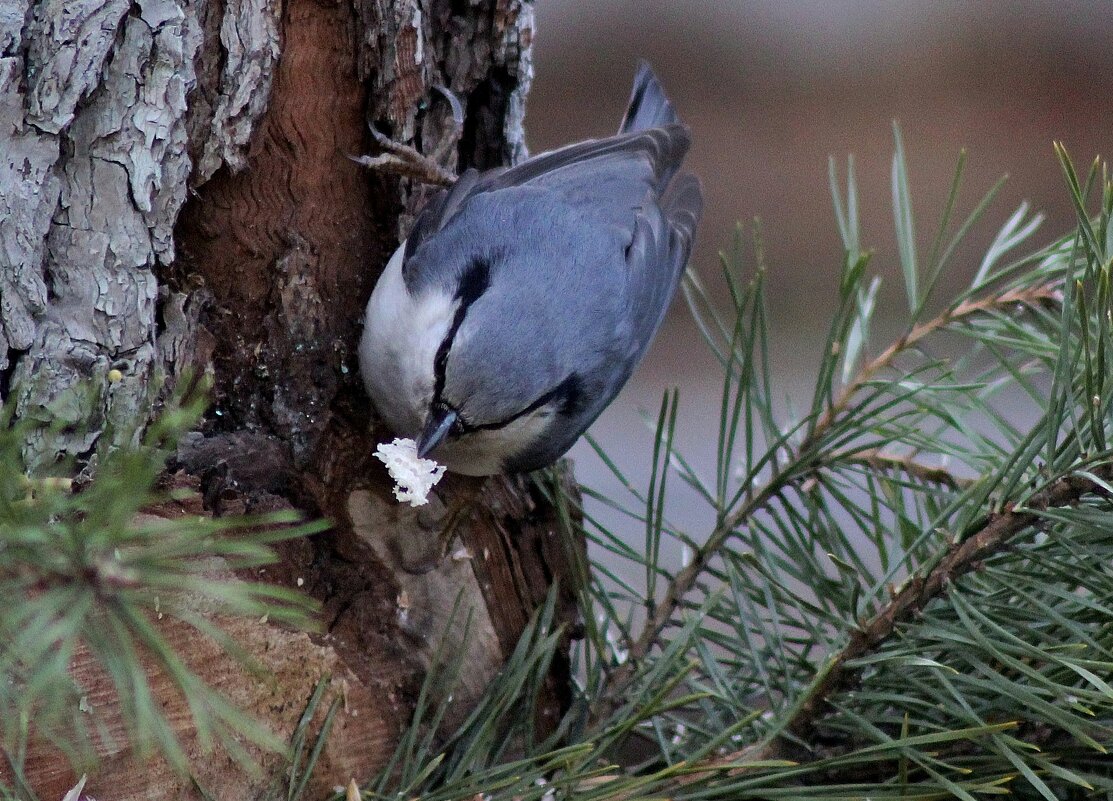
452 138
404 160
400 159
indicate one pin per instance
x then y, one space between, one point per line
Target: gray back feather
650 132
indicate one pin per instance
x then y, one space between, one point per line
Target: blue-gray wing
659 253
651 143
655 260
611 174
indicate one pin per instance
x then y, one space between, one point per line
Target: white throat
488 451
401 336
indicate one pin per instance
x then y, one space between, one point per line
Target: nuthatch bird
525 296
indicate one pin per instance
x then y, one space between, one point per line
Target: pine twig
876 460
1020 296
912 598
790 469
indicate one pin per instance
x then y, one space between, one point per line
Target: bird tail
683 207
648 107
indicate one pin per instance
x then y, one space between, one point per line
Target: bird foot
404 160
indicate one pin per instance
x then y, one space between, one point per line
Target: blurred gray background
770 90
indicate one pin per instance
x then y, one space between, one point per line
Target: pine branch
88 572
876 460
800 464
1020 296
911 599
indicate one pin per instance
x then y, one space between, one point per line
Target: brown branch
659 615
913 597
875 459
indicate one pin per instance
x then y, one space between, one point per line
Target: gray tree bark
176 194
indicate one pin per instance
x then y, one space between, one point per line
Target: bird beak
437 425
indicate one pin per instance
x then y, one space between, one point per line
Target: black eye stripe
473 283
568 395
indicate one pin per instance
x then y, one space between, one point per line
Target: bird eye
459 425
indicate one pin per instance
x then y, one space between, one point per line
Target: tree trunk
176 195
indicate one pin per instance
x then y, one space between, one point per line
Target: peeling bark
92 173
176 194
239 84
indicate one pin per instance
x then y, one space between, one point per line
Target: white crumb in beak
413 476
